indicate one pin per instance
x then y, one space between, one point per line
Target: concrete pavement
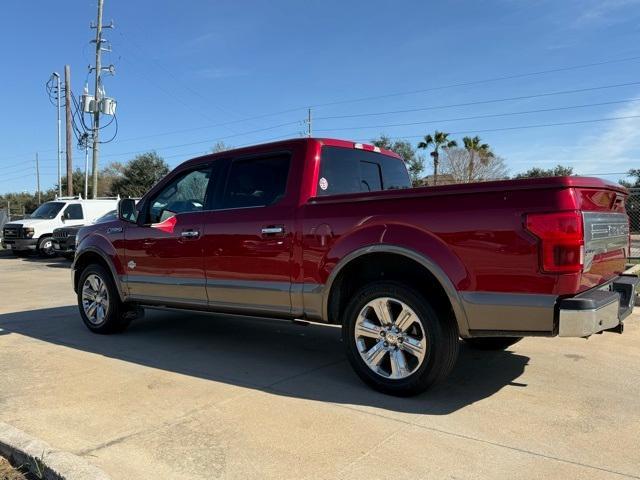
181 395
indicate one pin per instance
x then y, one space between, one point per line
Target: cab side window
186 193
256 182
73 212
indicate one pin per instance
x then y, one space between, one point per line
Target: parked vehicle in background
64 238
4 218
329 231
36 232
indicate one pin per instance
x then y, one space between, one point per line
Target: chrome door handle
272 230
190 234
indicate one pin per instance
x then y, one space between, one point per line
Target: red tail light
561 240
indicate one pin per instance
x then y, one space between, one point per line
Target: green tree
77 181
139 175
633 200
475 147
437 140
413 161
634 172
536 172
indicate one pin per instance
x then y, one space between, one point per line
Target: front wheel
99 303
45 247
397 341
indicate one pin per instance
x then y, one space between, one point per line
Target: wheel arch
394 258
93 256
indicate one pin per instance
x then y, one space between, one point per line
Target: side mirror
62 218
127 210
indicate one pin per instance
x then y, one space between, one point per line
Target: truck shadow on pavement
280 358
52 262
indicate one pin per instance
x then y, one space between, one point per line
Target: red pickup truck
331 231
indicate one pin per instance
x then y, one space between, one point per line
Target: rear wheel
491 343
99 303
45 247
397 341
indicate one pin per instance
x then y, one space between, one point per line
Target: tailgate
606 235
606 242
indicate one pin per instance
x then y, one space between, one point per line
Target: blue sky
184 68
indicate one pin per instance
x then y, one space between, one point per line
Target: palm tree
439 139
474 146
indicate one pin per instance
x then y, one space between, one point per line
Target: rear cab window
345 170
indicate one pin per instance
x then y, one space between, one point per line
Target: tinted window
345 170
256 182
107 217
186 193
47 210
394 173
73 212
370 178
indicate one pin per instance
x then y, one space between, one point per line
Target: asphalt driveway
181 395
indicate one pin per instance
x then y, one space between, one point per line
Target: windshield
107 217
47 210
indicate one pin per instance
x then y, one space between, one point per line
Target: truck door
164 252
249 237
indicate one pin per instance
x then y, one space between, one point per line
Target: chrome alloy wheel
390 338
95 299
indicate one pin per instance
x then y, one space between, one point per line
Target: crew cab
331 231
35 233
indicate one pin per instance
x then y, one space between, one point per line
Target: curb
23 449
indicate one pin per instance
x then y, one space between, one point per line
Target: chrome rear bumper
598 310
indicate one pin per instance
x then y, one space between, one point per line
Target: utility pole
69 147
85 141
96 113
57 75
38 178
99 103
309 123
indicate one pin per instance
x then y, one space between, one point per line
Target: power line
476 117
169 72
477 82
300 109
209 140
437 107
480 102
522 127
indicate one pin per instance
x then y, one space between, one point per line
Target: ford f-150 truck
331 231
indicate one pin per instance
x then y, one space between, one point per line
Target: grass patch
8 472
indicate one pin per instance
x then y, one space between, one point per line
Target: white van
34 233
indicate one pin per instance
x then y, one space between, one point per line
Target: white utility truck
35 233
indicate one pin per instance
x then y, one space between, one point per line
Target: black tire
118 315
440 333
491 343
45 248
